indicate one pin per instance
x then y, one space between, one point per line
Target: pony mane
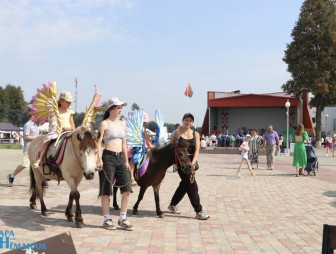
157 150
88 141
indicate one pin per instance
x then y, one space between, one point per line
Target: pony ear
79 138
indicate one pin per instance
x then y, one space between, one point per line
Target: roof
218 95
234 99
9 127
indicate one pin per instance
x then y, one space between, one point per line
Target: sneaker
10 179
125 224
174 209
108 224
202 216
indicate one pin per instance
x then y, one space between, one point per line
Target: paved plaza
273 212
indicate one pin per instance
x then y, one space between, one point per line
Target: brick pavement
273 212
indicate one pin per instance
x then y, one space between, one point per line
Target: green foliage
311 56
170 127
10 146
135 106
78 119
13 107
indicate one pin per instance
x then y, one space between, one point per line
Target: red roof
236 100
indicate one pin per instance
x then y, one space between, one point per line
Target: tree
78 119
311 56
12 105
135 106
4 102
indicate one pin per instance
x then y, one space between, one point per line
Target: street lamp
287 105
326 116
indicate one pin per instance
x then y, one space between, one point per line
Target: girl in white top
244 147
67 123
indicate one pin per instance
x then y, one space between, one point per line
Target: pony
160 159
80 159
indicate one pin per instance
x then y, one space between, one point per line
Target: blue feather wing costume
134 135
161 131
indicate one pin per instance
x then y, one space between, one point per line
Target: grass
10 146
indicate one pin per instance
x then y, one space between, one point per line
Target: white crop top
111 135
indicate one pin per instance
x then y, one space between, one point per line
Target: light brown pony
80 158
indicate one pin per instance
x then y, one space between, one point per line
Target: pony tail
106 114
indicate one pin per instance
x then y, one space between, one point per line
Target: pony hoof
79 224
46 213
34 207
70 219
135 212
161 215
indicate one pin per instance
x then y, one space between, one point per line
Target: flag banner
188 91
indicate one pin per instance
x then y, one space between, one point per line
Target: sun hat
188 115
145 117
66 95
115 102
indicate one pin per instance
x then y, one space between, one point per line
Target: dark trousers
185 187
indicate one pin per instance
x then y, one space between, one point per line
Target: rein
182 166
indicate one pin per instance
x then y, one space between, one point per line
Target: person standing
187 135
334 144
271 142
300 155
254 144
113 163
213 139
328 144
177 127
244 147
30 132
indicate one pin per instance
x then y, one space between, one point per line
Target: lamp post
287 105
326 116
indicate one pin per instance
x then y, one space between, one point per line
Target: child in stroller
312 163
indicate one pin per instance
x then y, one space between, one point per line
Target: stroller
312 163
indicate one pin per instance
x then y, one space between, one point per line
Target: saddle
54 156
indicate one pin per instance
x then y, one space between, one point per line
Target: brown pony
160 160
80 158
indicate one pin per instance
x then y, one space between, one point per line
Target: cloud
33 25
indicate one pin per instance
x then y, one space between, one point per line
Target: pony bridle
185 168
80 155
177 158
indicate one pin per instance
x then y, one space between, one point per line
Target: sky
146 51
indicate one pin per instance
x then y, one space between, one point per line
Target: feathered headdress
92 110
44 106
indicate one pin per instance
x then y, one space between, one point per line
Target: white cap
65 95
115 102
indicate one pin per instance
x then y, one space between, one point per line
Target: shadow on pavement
25 218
